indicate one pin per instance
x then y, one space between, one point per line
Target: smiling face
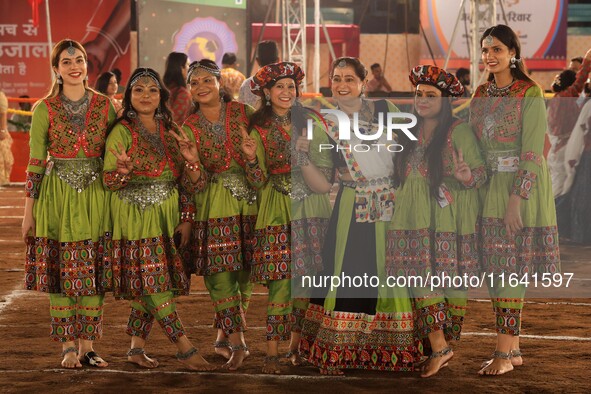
71 67
346 84
282 94
145 96
496 56
205 87
427 101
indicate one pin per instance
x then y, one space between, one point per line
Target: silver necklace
216 128
76 110
494 91
283 120
152 138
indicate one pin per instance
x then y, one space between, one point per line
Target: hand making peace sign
249 145
187 147
124 164
462 171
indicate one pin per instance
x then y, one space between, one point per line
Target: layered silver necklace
152 138
216 128
282 120
493 91
76 110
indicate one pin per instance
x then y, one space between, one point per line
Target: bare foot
498 366
516 359
239 354
194 361
271 365
295 358
71 360
223 349
331 372
143 361
435 363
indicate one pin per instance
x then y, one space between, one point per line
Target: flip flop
94 360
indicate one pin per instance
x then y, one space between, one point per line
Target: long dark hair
434 151
508 37
211 65
164 95
262 116
102 82
173 74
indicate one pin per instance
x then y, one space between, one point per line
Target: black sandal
93 359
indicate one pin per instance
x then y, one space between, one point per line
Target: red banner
102 26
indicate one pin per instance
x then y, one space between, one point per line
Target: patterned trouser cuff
63 329
432 318
278 327
90 327
297 319
231 320
139 324
172 326
508 321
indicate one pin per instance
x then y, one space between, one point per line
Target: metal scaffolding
483 14
294 33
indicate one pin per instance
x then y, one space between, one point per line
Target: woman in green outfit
153 169
65 205
226 208
268 151
356 327
434 228
518 231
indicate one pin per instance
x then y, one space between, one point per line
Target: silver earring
513 61
59 79
268 98
158 114
131 114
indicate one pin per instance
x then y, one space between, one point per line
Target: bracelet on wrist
194 167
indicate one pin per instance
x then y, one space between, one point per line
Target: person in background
575 63
563 111
107 85
267 53
378 86
6 157
20 122
120 86
175 76
463 75
232 79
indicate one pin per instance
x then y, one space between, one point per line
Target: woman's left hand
462 171
187 147
512 219
184 229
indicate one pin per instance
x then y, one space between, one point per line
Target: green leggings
160 306
76 317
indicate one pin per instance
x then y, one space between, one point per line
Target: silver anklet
187 355
136 351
